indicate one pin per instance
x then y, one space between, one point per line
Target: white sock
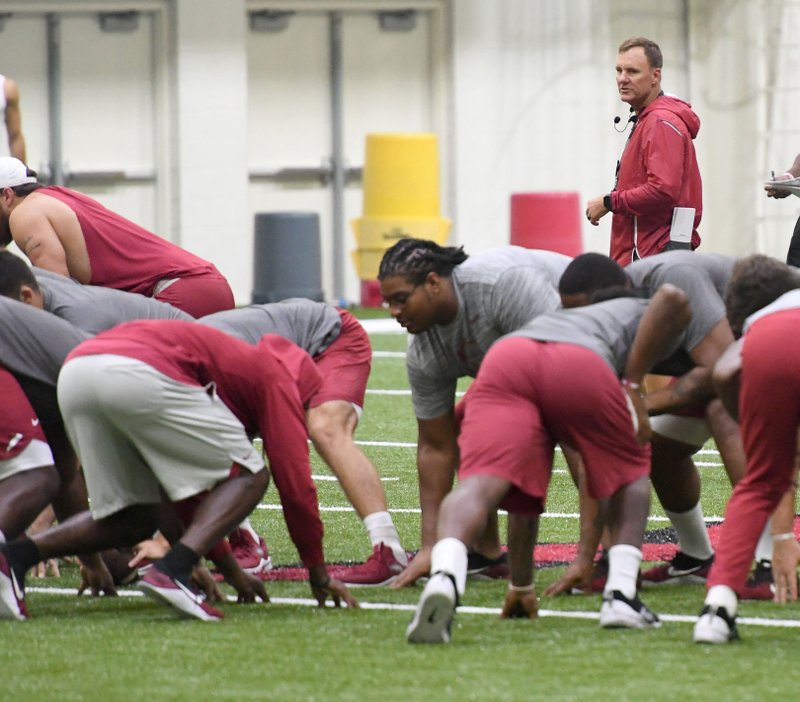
722 596
381 529
764 546
692 532
623 569
450 556
249 529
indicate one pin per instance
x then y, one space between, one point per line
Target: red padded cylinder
550 221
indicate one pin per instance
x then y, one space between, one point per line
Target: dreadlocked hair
415 258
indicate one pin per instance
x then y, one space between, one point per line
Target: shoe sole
710 637
431 623
388 581
686 579
264 567
194 612
623 620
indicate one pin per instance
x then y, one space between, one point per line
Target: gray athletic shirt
313 326
33 342
95 309
703 277
498 291
607 328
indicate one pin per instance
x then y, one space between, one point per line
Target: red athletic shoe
172 592
599 577
480 567
681 569
381 568
760 585
252 557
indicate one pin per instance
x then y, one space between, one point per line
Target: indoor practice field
129 647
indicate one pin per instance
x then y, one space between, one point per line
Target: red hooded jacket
658 172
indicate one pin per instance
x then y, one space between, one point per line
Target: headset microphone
631 120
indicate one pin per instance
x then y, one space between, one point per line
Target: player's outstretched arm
520 600
437 460
727 372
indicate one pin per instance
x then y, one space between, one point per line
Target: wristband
520 588
788 536
636 387
607 202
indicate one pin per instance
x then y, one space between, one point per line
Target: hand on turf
418 567
785 558
337 591
577 575
41 569
97 579
520 605
249 587
205 581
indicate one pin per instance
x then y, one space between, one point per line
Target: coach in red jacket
657 199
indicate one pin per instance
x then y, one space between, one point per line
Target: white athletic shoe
617 611
715 626
12 593
435 611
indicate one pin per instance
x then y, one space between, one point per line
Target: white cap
14 172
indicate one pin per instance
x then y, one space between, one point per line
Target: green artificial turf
131 648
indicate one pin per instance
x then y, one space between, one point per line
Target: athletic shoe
760 585
715 626
681 569
180 596
598 579
251 555
381 568
435 611
482 568
617 611
12 592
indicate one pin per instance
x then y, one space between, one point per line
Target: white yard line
411 444
486 611
417 510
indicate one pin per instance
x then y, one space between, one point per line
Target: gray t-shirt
703 277
313 326
95 309
498 291
34 343
607 328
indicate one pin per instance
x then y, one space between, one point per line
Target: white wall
210 145
529 98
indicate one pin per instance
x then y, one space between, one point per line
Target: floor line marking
417 510
490 611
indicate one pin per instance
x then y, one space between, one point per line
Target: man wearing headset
657 198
